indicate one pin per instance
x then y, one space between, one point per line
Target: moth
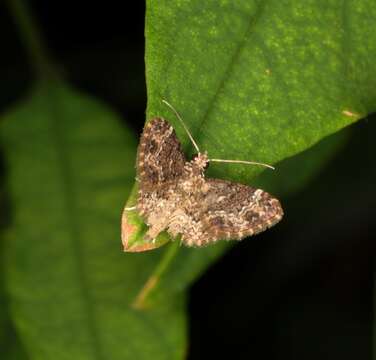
175 195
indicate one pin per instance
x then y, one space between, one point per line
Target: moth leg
157 222
131 208
152 234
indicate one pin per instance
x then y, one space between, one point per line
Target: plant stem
155 277
31 39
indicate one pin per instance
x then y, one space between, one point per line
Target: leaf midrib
71 215
254 18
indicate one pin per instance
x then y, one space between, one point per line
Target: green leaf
261 81
70 165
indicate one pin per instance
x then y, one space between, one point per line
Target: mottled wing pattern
160 163
234 211
160 158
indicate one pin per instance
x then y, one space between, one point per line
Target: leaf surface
260 81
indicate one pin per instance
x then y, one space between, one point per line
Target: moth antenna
182 122
131 208
243 162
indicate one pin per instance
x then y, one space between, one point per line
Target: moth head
200 160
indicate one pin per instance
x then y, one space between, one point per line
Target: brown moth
174 194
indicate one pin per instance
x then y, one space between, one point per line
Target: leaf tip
132 230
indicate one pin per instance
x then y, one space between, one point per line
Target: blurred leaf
70 166
10 346
260 80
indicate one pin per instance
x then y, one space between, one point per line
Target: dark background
302 290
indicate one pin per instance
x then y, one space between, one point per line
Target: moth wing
160 158
235 211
